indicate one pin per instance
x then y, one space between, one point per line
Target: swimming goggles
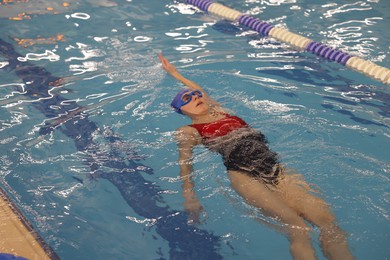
183 98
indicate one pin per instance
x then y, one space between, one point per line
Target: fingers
161 57
194 218
168 67
163 60
193 214
197 217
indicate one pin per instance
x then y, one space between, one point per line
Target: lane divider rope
299 42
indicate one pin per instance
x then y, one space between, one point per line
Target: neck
208 117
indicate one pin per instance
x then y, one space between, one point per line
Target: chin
196 112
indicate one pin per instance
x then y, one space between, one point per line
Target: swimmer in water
254 171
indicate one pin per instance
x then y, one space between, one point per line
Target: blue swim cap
177 102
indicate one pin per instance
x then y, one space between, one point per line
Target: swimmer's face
195 106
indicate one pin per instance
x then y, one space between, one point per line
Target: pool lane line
17 236
144 197
299 42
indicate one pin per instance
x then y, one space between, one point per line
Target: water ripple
47 55
16 118
271 2
357 6
87 51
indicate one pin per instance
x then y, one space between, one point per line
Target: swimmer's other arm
187 139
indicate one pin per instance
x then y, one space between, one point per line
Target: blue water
327 122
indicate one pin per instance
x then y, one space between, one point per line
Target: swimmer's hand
194 210
168 67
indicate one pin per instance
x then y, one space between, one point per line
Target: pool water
93 165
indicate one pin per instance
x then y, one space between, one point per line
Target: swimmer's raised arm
171 69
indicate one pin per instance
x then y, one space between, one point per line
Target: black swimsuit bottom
246 150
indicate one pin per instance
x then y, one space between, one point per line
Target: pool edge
18 236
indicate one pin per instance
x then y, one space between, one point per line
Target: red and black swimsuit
242 147
220 127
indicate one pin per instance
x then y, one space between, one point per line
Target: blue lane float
255 24
327 52
299 42
201 4
144 197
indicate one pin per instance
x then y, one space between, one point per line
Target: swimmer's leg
315 210
259 195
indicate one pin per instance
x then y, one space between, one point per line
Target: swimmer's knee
295 223
324 220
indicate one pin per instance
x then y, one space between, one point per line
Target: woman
254 172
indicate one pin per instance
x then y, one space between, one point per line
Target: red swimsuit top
220 127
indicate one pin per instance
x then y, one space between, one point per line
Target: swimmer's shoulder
187 133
